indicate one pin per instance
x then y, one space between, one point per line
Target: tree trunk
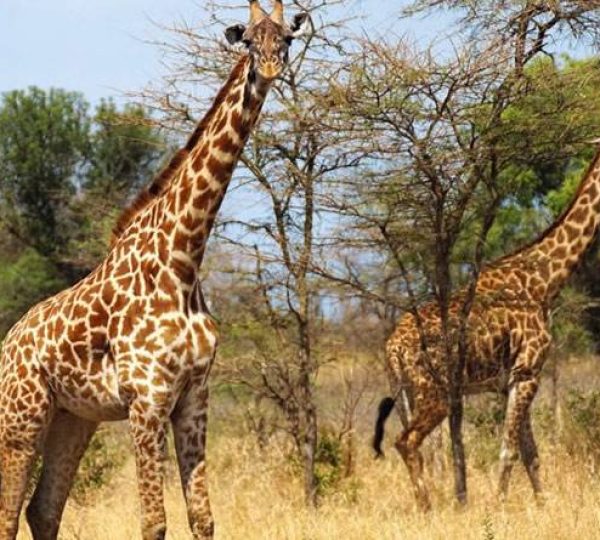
458 449
310 418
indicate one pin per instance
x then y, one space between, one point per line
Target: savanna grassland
257 493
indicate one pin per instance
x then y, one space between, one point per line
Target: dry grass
259 496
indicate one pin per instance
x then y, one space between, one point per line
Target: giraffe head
268 38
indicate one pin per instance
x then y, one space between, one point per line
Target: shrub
582 426
487 419
101 460
328 463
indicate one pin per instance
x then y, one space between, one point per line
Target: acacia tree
445 153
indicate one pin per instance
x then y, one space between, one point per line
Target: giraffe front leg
148 431
24 424
189 429
520 396
15 466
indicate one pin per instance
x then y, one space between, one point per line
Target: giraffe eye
288 40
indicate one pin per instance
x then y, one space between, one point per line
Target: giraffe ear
234 33
300 24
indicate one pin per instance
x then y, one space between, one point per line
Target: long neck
189 205
557 252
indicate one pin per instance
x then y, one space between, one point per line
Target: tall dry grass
257 495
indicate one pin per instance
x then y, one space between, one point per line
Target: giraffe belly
94 396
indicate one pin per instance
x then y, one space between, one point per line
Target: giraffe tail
385 408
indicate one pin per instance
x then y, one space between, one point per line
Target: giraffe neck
558 251
183 213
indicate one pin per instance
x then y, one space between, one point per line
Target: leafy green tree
43 138
23 283
65 173
124 150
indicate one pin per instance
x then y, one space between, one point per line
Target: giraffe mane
557 222
159 185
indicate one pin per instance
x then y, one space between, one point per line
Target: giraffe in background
508 338
133 340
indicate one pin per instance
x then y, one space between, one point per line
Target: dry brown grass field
257 494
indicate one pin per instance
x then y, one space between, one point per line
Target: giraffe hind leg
529 454
65 444
519 400
428 414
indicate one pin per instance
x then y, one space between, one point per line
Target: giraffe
508 338
134 340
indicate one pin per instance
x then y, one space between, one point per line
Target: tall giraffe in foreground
508 338
133 340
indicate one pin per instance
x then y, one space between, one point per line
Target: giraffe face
268 39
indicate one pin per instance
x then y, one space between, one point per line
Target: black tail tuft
385 408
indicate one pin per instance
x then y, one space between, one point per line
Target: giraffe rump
385 408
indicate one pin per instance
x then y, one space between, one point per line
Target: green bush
328 463
23 283
104 457
582 426
487 419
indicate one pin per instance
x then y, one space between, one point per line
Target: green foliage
43 138
569 331
582 437
545 128
23 283
328 463
104 456
487 419
64 175
102 459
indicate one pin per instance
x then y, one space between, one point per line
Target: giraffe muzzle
269 70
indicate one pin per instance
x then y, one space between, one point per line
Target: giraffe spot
578 215
559 252
220 124
203 201
226 144
188 221
184 193
236 122
184 271
217 169
138 373
120 302
181 241
234 97
160 306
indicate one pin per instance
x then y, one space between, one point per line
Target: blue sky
98 48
